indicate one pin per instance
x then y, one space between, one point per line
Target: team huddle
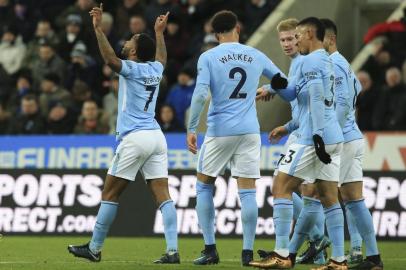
321 163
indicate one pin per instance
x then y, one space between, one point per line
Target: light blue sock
305 223
297 205
249 216
355 237
365 225
205 211
170 225
318 230
105 217
335 228
282 218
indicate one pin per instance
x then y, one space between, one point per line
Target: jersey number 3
236 93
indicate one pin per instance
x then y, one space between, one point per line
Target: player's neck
316 45
332 49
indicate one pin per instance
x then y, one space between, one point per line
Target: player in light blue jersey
301 207
358 216
142 145
315 157
231 71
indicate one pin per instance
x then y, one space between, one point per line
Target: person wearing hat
12 50
23 87
80 66
51 92
180 95
71 36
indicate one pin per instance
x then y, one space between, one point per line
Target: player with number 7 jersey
231 71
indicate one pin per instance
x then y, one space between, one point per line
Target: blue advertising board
96 152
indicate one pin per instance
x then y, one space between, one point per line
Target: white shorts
302 162
351 162
291 139
143 150
241 152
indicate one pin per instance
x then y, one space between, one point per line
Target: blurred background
58 108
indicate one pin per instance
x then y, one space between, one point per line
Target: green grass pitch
40 253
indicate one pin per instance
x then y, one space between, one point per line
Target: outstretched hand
263 95
96 14
160 23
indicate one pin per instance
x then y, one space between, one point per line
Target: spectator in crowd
43 33
180 95
4 120
23 87
200 38
158 7
73 34
80 93
25 18
404 72
366 101
60 120
196 11
81 8
6 13
48 62
107 28
167 120
106 80
377 64
51 92
256 11
125 10
176 44
390 113
80 66
91 120
136 25
29 121
12 50
110 105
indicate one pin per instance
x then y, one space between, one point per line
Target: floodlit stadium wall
52 185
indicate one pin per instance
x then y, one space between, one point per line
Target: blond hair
287 25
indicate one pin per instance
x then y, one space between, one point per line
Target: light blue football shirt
137 94
232 72
317 71
293 75
347 89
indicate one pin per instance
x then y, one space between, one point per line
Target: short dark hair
223 21
329 25
316 23
145 48
30 97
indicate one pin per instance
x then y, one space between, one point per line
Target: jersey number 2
149 88
236 93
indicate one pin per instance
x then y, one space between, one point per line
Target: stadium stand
49 59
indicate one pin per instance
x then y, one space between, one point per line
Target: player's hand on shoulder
96 14
191 141
263 95
160 23
276 134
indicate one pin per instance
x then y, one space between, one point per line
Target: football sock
205 211
317 232
355 237
297 205
249 216
335 228
305 223
282 217
170 225
364 225
105 217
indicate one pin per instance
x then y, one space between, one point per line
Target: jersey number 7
149 88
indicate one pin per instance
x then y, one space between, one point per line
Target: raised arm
106 51
160 25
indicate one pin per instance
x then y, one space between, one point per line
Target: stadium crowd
52 77
383 78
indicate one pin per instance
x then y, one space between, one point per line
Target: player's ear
133 51
238 28
217 36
